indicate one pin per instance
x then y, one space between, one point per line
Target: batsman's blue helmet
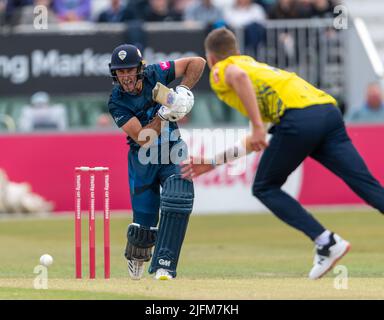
125 56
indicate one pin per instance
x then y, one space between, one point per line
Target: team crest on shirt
165 65
122 54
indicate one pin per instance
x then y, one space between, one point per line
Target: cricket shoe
135 269
327 256
162 274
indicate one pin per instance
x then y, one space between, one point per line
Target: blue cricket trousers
145 180
319 132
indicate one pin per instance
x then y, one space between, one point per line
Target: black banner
63 63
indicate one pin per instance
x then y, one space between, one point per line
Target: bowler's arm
196 166
240 82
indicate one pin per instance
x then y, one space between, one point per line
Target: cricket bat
163 95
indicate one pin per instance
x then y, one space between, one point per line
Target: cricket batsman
149 127
306 122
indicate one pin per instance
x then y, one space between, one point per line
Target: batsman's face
127 79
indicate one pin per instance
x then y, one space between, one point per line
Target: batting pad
176 203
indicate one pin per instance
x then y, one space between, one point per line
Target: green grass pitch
224 257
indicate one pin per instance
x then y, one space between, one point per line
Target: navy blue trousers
318 132
145 180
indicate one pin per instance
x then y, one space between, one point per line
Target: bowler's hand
193 168
258 139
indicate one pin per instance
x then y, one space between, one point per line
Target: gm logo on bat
163 262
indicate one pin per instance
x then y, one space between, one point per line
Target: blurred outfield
224 257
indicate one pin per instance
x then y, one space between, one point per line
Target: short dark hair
222 43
